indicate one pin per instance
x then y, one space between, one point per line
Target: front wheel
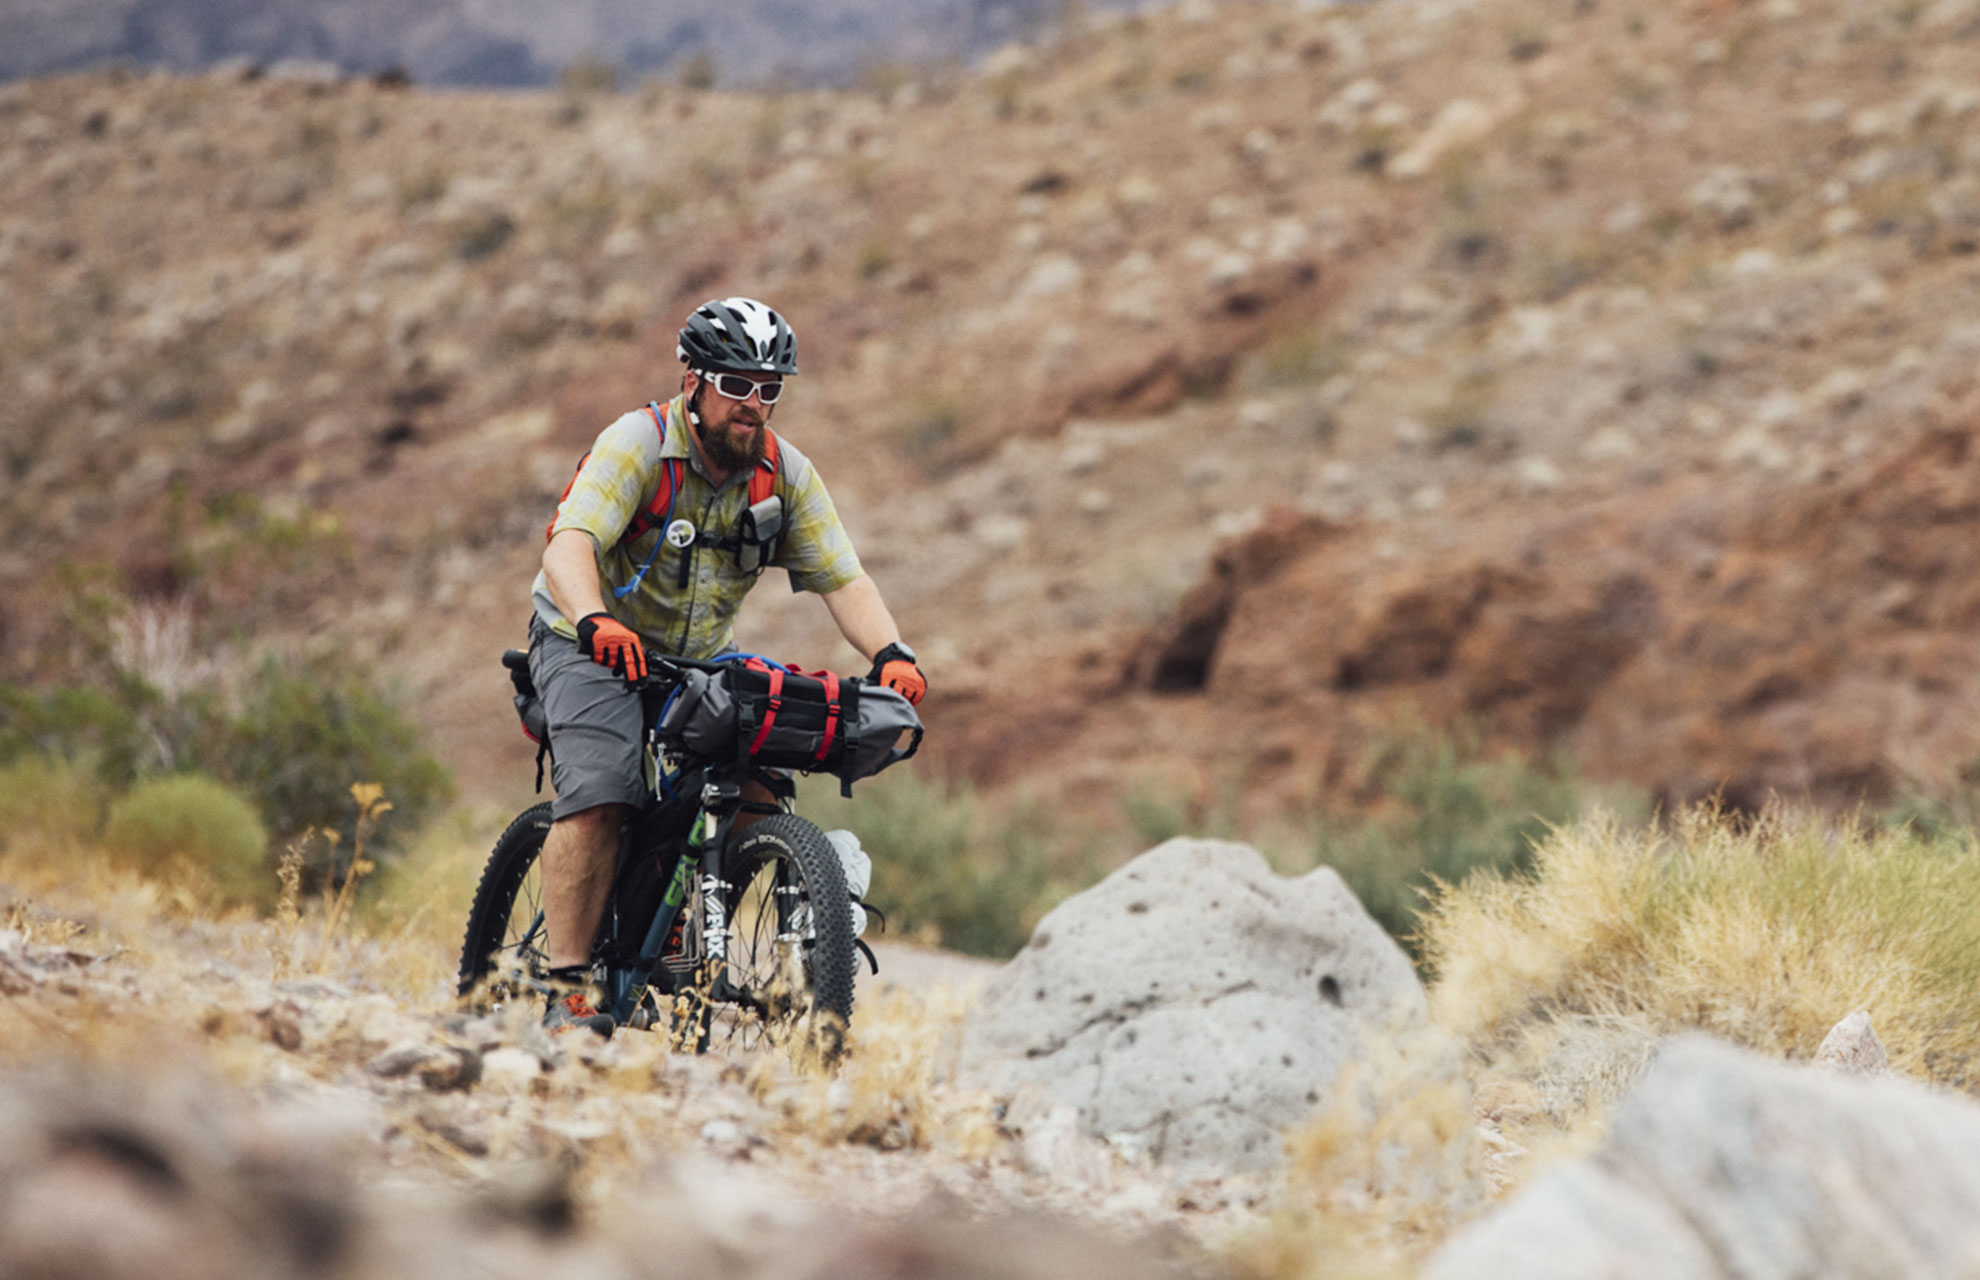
790 938
507 944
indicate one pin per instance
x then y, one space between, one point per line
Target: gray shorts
597 743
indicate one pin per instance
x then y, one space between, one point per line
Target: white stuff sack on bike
859 872
721 714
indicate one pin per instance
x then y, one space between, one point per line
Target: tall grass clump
193 827
1765 931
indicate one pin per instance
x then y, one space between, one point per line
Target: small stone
1095 502
1755 446
728 1138
1537 475
1842 390
1610 444
1837 223
399 1060
510 1070
1462 121
1777 409
449 1067
1754 264
1052 275
282 1024
1082 457
1001 532
1852 1047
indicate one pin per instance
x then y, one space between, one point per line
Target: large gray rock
1720 1163
1193 1002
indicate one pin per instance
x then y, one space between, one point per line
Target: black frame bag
786 718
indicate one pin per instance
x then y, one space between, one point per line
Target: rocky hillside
1209 390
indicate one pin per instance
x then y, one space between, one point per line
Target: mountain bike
714 926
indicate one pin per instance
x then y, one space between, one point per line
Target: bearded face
733 432
736 445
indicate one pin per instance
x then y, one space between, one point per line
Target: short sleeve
817 551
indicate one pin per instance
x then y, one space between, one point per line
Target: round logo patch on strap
680 534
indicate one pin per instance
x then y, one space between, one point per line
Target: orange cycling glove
894 667
612 644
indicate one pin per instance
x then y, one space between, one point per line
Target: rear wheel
507 944
790 942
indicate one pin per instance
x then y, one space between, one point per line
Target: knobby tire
495 936
800 962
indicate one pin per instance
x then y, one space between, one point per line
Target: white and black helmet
738 334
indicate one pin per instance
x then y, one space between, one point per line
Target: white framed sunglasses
737 387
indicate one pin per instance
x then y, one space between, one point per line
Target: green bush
1445 809
304 736
974 877
167 827
50 804
103 728
293 737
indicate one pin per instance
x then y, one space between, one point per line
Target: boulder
1193 1003
1721 1163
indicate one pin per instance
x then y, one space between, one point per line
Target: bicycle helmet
737 335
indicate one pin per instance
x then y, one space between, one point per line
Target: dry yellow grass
1381 1173
1766 932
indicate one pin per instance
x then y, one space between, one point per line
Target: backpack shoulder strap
660 510
657 511
763 480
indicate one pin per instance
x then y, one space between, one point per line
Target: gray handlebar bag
789 719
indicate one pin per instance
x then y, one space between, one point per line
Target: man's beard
720 445
717 444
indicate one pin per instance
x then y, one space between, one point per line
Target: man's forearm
570 565
863 617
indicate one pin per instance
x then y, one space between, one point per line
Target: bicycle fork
706 947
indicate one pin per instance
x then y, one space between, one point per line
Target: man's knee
595 825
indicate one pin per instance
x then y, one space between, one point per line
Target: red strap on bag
831 714
776 703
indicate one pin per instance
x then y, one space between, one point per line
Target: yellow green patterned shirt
695 618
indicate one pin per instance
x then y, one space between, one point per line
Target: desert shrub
302 736
190 825
1445 808
102 727
293 737
50 805
949 868
1765 931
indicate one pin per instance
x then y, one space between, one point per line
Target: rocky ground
251 1095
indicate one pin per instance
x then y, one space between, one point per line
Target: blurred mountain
514 42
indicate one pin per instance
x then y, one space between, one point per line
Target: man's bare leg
579 855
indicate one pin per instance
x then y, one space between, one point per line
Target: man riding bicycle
670 519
